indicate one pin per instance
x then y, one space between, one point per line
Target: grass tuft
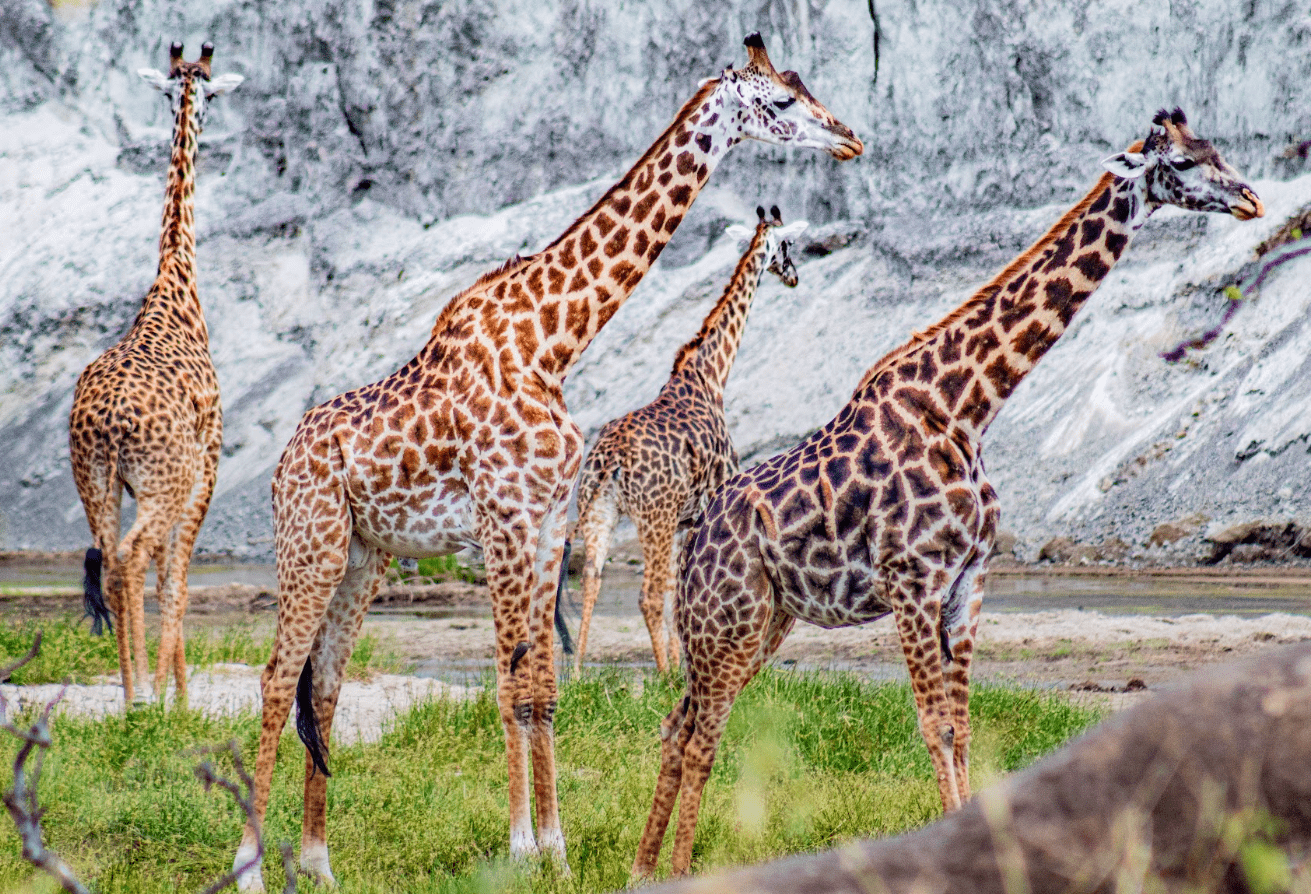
70 652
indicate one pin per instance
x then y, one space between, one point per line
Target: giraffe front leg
918 628
509 576
546 570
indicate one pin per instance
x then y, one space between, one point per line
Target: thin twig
245 800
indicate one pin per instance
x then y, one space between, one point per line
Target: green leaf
1233 293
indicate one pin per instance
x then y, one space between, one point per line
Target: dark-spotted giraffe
887 507
659 464
470 444
146 415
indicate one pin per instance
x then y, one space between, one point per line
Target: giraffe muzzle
1248 206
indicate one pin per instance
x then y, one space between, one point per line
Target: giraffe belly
845 597
420 529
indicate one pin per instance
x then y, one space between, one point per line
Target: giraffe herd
886 509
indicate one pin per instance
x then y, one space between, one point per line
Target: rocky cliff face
381 155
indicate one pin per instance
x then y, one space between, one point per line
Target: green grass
436 568
808 761
70 652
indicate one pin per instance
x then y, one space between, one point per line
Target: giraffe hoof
250 880
314 863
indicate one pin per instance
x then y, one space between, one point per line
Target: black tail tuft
307 725
93 599
566 641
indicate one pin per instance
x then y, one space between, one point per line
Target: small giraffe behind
660 464
146 416
886 509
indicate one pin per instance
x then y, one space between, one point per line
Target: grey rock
380 157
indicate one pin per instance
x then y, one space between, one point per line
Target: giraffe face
191 80
777 240
1178 168
777 108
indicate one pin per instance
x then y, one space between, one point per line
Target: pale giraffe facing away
659 464
886 508
146 416
470 444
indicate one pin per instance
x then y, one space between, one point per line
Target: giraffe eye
784 103
1182 164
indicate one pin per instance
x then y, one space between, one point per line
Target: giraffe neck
712 351
960 371
558 300
174 291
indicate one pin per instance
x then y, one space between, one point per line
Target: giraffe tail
93 598
566 641
307 725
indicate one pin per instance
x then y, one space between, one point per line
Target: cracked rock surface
380 156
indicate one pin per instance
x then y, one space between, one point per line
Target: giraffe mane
660 145
686 352
651 155
994 285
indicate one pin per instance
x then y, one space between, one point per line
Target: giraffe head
190 79
763 104
774 240
1178 168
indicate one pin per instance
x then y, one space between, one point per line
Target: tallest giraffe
146 414
470 444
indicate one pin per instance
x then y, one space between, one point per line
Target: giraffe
146 416
886 508
470 444
660 464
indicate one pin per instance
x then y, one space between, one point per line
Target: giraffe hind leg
318 690
171 566
597 523
656 532
675 730
566 641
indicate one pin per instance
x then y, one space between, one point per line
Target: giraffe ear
1129 165
155 78
738 232
222 84
791 231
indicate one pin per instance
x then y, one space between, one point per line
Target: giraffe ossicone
146 418
659 464
470 443
886 509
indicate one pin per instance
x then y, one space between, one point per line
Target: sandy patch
224 690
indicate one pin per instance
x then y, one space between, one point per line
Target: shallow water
1249 593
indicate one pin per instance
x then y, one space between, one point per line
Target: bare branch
244 795
21 800
8 671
